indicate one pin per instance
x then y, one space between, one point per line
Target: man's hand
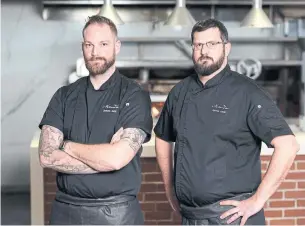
243 209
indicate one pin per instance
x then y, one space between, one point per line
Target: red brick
295 213
49 178
264 166
273 213
282 203
287 185
301 221
295 176
295 194
49 198
300 157
160 187
301 184
155 197
164 207
148 160
265 158
277 195
149 187
301 165
301 203
149 167
160 215
148 206
153 177
150 222
170 222
282 222
47 208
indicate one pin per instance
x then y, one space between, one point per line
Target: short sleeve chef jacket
217 129
89 116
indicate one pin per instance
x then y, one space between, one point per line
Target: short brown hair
96 19
211 23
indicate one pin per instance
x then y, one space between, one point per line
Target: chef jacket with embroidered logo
217 129
89 116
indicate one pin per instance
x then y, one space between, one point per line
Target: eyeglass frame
213 45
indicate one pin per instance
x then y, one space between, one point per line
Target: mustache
97 58
205 58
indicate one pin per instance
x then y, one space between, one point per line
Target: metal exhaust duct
180 17
256 17
109 11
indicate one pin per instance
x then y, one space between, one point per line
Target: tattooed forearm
51 157
50 140
71 169
92 161
68 164
108 157
135 137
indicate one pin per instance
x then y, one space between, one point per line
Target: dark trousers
210 214
114 211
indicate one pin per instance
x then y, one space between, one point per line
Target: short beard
206 70
93 70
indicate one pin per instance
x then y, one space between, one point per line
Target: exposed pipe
257 4
257 17
180 3
109 11
180 16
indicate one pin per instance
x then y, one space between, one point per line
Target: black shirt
218 128
89 116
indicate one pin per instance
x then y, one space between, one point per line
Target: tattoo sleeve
135 137
51 157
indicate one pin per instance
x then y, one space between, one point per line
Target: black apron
210 214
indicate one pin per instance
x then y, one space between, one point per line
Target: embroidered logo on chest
220 108
111 108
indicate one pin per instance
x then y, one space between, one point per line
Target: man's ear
227 48
117 46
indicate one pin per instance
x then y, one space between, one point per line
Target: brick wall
286 207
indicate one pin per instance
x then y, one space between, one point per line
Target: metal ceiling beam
189 63
173 2
174 39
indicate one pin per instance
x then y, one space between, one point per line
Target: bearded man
92 134
218 120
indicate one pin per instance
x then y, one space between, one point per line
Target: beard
205 69
99 65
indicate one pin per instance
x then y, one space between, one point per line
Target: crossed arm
85 158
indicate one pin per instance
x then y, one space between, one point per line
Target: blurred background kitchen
41 51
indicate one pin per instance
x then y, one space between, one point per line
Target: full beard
204 69
95 66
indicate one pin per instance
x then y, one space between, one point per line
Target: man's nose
204 49
94 51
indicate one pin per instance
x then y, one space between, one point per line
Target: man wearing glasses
218 120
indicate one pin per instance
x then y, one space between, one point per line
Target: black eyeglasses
210 45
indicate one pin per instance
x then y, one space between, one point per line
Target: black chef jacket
89 116
218 128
